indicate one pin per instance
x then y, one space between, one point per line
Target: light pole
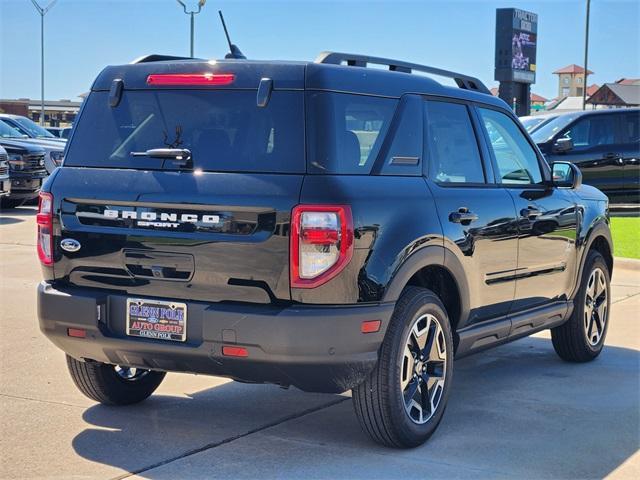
586 58
42 11
192 13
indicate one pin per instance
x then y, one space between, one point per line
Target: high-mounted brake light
44 220
321 243
212 79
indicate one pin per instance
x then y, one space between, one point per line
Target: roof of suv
323 74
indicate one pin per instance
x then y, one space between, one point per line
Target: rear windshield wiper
181 155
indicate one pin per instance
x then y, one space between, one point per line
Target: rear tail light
44 219
321 243
211 79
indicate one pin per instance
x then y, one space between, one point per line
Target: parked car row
604 144
32 153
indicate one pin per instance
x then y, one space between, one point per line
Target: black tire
102 382
571 339
379 401
11 202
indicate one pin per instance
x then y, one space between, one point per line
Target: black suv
27 171
604 144
317 224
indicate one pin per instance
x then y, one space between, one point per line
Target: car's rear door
478 217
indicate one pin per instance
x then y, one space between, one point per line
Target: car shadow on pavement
515 410
5 220
13 215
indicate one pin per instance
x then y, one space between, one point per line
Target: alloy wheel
595 307
423 369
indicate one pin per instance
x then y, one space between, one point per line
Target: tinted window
549 129
452 144
531 123
345 131
516 159
631 128
9 132
29 127
592 131
224 130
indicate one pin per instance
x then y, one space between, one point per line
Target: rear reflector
370 326
76 332
191 79
230 351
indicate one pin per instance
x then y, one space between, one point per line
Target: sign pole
586 58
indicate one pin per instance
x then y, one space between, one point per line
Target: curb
626 263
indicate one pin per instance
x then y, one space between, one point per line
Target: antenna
234 51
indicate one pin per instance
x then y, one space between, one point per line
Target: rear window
345 131
224 130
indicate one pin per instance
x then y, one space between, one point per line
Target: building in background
57 113
616 95
571 81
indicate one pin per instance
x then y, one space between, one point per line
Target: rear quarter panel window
345 131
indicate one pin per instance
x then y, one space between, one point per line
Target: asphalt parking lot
515 411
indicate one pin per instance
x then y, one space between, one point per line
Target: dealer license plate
157 319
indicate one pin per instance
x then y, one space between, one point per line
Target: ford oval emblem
70 245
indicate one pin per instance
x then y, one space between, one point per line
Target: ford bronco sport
318 224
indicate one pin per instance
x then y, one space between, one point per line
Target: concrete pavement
515 411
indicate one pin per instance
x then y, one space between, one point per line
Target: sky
83 36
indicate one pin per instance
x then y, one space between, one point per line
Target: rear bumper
315 348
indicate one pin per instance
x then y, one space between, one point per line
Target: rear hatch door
214 230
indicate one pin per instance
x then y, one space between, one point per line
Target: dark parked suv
604 144
317 224
26 167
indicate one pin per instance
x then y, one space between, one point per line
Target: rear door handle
463 216
530 212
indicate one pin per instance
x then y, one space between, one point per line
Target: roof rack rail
155 57
351 59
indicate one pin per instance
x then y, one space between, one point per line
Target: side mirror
566 175
563 145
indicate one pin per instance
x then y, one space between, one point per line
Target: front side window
516 159
591 131
452 145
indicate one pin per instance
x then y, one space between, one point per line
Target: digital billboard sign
516 42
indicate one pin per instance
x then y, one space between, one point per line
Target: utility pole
192 13
42 11
586 58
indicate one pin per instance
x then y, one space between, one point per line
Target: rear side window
516 159
224 130
453 148
592 131
631 128
344 131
